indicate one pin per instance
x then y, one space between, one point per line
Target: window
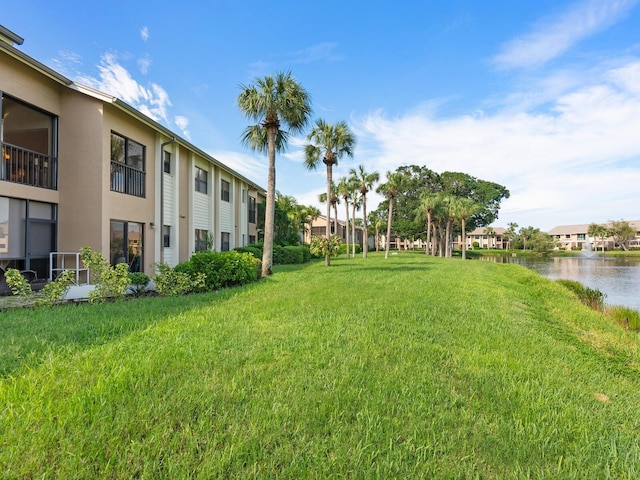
202 237
252 239
166 164
244 196
28 144
581 236
224 241
252 210
201 180
127 166
166 236
126 244
224 190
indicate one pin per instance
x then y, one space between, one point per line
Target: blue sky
540 96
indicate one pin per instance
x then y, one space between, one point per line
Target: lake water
618 278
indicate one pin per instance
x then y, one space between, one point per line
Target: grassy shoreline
409 367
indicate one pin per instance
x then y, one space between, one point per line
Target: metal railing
126 179
20 165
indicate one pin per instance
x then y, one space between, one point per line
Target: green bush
138 283
53 291
342 249
320 246
221 269
253 250
110 282
171 282
17 283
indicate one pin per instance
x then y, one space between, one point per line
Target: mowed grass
409 367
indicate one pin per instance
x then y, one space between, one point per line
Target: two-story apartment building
83 168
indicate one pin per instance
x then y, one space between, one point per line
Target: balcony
126 179
27 167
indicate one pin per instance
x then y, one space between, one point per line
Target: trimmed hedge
287 255
222 269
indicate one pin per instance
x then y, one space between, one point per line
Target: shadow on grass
28 336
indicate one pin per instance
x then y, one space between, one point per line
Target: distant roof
483 231
584 228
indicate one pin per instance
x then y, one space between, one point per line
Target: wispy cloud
144 33
253 168
554 36
182 123
579 150
116 80
144 63
322 52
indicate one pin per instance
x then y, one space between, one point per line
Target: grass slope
411 367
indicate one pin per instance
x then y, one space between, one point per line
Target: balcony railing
27 167
126 179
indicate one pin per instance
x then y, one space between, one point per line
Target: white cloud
144 33
575 162
554 36
116 80
144 63
251 167
315 53
182 123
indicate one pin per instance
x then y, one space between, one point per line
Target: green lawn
410 367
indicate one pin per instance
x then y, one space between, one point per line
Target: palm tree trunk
353 231
365 236
346 207
464 240
327 257
269 217
389 219
426 249
447 235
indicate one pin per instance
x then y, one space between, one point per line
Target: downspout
173 140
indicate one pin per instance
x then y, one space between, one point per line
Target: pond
617 277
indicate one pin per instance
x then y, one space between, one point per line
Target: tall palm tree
365 181
428 202
355 205
390 190
463 208
344 190
272 101
334 200
328 143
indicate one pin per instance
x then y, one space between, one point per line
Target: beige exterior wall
86 203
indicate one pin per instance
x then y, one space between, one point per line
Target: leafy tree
272 101
365 182
328 143
622 232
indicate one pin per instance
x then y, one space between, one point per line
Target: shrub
53 292
17 283
591 297
255 251
138 282
321 246
110 282
170 282
343 248
221 269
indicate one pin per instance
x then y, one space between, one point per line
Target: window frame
201 185
225 190
128 176
200 240
225 241
166 163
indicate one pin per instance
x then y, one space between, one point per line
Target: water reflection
618 278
